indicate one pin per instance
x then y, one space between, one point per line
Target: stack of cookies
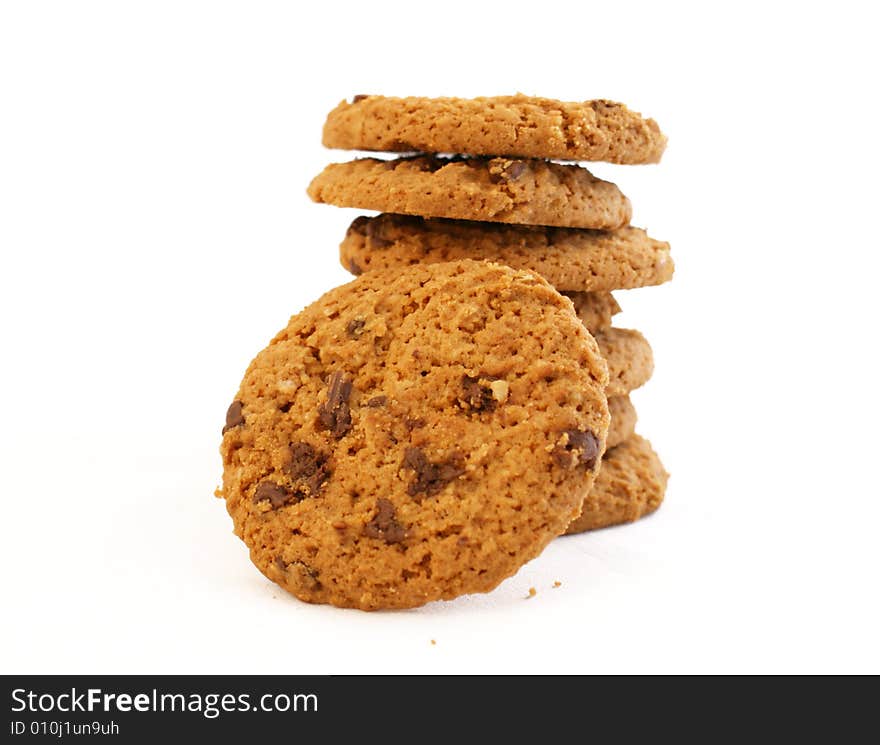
424 430
501 196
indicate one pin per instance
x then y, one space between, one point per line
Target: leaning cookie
629 357
415 435
630 485
520 126
623 420
529 192
571 260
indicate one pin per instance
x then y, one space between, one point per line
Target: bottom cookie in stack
632 480
631 484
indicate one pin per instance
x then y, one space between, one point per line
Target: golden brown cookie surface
595 309
569 259
630 485
629 357
521 126
415 435
623 420
529 192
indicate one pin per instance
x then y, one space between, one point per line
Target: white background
155 233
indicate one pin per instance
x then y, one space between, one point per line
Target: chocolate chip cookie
523 126
415 435
571 260
630 485
530 192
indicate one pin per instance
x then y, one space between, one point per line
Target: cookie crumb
434 642
557 583
532 593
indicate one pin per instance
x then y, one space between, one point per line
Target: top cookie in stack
517 126
480 179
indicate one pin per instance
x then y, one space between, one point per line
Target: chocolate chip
476 397
431 477
335 415
360 97
377 242
234 416
377 402
412 423
354 327
383 525
355 268
506 170
360 225
303 459
303 574
285 407
516 169
374 231
580 449
275 494
309 469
